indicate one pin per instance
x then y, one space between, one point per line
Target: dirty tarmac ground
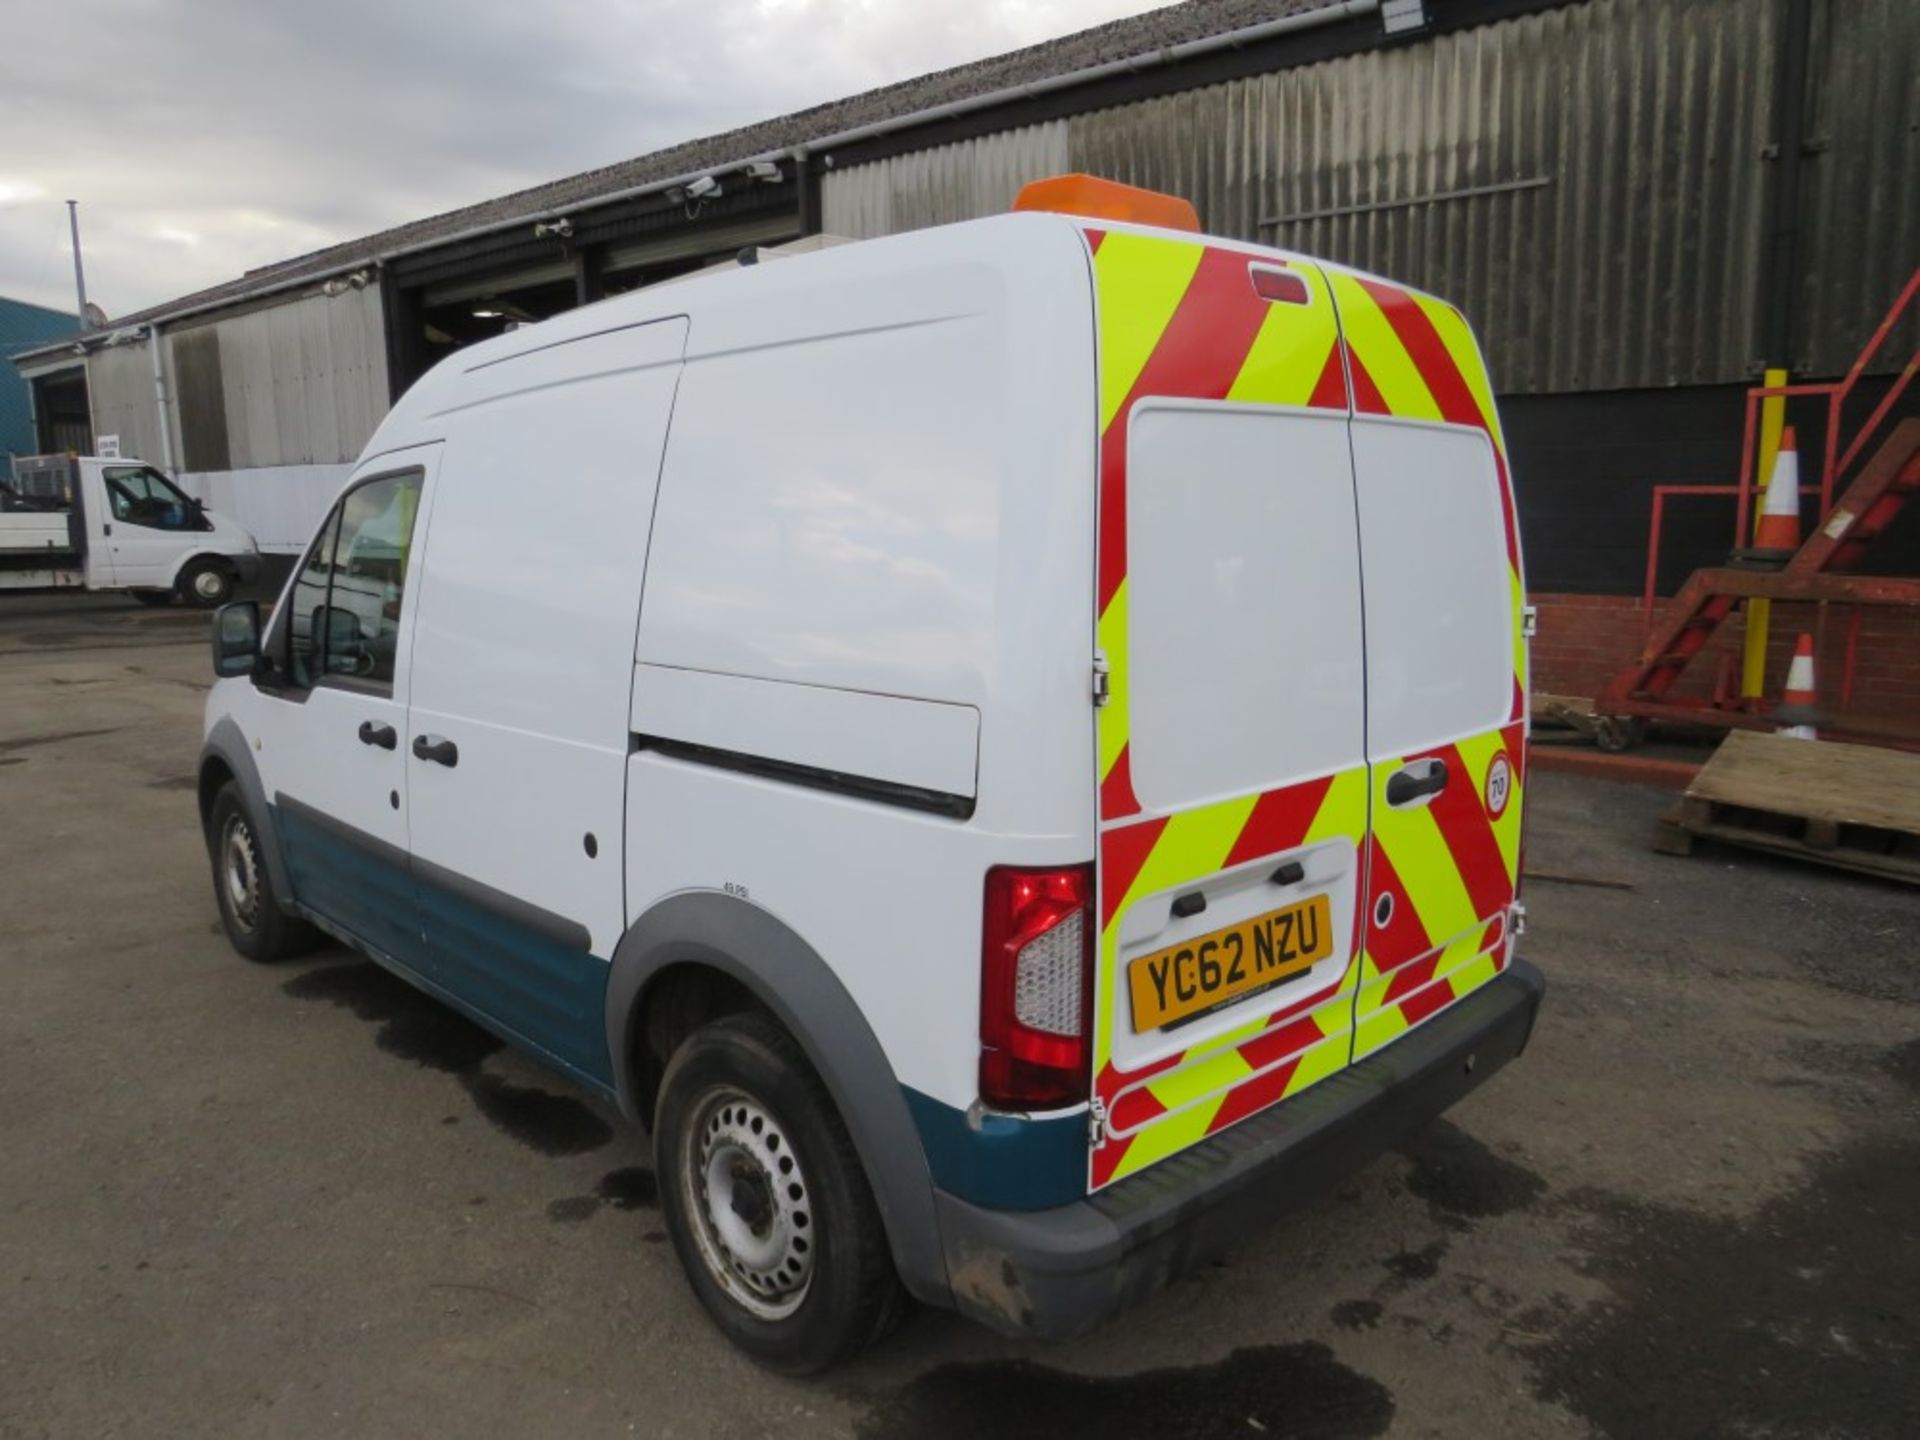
304 1200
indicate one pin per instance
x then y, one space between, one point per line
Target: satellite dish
94 316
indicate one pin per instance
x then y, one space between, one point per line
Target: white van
1002 747
102 523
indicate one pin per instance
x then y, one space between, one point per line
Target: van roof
802 265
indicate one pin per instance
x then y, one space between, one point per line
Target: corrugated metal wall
1587 183
298 383
1590 184
120 383
936 187
303 383
1861 211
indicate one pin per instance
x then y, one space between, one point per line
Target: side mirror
236 638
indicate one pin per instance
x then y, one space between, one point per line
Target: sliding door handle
1420 780
437 749
381 735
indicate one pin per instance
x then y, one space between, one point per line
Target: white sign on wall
107 447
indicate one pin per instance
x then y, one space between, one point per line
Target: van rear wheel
764 1196
256 926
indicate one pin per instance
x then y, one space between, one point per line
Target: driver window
344 620
142 496
307 608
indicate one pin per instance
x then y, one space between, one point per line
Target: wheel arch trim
790 979
229 747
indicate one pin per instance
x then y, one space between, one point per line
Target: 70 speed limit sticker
1499 786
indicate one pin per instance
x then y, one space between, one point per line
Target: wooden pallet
1852 806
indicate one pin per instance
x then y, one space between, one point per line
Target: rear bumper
1058 1273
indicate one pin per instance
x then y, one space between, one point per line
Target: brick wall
1584 640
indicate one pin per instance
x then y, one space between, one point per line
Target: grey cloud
206 137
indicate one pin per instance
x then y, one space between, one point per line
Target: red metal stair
1820 571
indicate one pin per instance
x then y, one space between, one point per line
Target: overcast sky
205 137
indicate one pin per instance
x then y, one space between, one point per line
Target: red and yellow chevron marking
1413 356
1451 869
1158 1109
1180 319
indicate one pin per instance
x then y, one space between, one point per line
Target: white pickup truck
86 522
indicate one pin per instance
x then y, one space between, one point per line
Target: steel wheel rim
240 872
749 1203
208 585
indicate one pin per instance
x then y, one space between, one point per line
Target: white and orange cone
1779 529
1797 711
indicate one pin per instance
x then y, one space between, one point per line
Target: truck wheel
256 926
154 597
766 1200
206 583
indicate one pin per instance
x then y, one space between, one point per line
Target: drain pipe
1779 264
160 399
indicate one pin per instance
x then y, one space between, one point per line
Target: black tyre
206 582
766 1200
255 924
154 597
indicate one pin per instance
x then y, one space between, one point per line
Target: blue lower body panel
1004 1162
524 974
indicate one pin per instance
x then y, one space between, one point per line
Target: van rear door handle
1418 781
434 748
381 735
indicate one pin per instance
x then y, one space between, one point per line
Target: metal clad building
1580 182
300 383
1861 212
1603 186
961 181
24 327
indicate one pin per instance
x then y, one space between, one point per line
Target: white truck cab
1002 747
104 523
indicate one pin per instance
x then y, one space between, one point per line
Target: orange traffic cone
1779 528
1797 710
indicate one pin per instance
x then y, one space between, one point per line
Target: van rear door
1233 776
1446 658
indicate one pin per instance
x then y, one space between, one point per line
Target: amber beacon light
1099 199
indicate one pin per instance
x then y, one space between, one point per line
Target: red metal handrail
1660 494
1833 462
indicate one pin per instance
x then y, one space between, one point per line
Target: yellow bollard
1753 659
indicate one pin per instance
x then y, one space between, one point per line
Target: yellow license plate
1211 970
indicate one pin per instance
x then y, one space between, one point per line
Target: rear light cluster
1036 998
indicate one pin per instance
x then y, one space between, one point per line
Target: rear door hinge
1517 920
1102 680
1529 621
1096 1122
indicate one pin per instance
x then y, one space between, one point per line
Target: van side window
344 620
